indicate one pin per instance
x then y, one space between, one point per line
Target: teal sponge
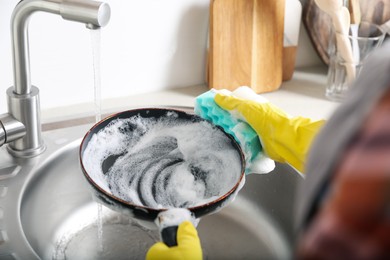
243 133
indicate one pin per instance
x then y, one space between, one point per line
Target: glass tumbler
347 54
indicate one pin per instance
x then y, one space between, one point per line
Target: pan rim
128 204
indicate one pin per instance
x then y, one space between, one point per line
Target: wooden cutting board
246 44
318 23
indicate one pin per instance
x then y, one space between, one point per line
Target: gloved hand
283 138
188 246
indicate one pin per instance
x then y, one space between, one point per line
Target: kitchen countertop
303 95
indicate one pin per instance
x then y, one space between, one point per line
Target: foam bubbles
167 162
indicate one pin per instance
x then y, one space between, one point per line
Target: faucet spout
23 98
93 14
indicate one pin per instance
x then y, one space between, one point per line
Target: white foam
163 163
174 217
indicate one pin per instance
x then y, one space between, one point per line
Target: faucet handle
10 129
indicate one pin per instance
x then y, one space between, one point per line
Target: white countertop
304 95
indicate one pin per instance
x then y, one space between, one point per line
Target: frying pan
144 162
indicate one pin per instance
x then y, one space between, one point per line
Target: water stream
95 43
100 227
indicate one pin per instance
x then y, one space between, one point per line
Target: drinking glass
347 53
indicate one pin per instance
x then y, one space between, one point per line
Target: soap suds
163 163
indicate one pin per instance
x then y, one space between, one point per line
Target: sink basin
60 219
53 215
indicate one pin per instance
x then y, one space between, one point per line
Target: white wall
148 45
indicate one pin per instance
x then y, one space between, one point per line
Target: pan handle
168 222
169 235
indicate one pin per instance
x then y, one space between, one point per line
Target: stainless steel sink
47 212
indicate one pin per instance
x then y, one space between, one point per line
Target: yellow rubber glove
284 139
188 246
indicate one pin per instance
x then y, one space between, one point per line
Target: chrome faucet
21 126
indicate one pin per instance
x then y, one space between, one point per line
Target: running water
99 224
95 43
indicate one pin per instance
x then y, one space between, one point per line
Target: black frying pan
153 151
